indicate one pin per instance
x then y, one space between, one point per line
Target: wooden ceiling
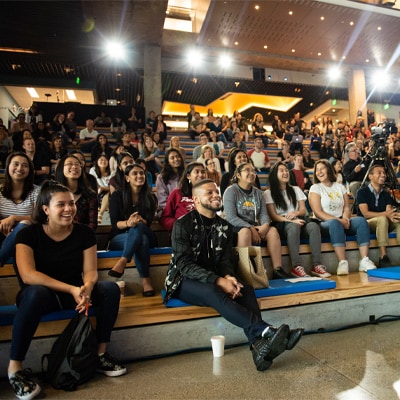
299 35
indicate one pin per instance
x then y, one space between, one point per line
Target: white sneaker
366 264
343 268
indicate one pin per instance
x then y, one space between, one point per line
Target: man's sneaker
366 264
269 346
24 386
110 366
343 268
385 262
320 270
298 272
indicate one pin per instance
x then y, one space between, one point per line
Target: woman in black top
57 266
132 210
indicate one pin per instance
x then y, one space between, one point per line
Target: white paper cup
218 343
121 285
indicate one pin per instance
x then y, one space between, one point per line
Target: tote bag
251 267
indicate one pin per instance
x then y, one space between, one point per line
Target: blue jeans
34 301
7 247
136 243
334 229
242 312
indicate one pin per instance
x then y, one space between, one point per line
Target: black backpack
73 358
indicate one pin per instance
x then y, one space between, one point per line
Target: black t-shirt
60 260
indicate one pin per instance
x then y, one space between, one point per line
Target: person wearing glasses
69 172
246 210
132 209
212 173
354 168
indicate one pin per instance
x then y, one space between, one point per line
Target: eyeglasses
72 164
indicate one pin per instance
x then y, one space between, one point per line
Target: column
152 79
357 95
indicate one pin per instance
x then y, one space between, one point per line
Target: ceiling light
179 92
322 18
265 47
290 12
16 50
319 54
285 78
117 89
379 28
334 73
70 94
32 92
351 23
236 43
225 61
115 50
293 50
257 7
237 84
367 60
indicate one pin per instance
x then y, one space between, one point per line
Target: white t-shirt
299 196
332 198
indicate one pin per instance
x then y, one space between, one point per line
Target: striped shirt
9 207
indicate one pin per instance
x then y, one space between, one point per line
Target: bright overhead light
194 57
334 73
115 50
381 79
225 61
70 94
32 92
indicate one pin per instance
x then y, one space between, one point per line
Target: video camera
381 132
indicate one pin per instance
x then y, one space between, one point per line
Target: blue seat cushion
387 273
277 287
7 314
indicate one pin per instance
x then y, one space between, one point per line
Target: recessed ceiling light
367 60
179 92
319 54
344 57
117 89
257 7
351 23
236 43
379 28
237 84
265 47
322 18
71 94
293 50
32 92
290 12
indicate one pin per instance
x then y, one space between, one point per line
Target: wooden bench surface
136 311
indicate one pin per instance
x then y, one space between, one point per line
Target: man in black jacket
201 272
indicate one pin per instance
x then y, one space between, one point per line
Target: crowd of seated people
292 208
342 145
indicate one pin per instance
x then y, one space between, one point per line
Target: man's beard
211 208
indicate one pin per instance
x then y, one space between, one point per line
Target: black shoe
149 293
280 273
384 262
115 274
294 337
268 347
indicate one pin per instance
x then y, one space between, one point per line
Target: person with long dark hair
17 200
236 157
123 160
168 179
101 147
180 200
286 205
69 173
329 202
132 209
57 266
245 209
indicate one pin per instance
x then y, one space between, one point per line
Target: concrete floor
355 364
